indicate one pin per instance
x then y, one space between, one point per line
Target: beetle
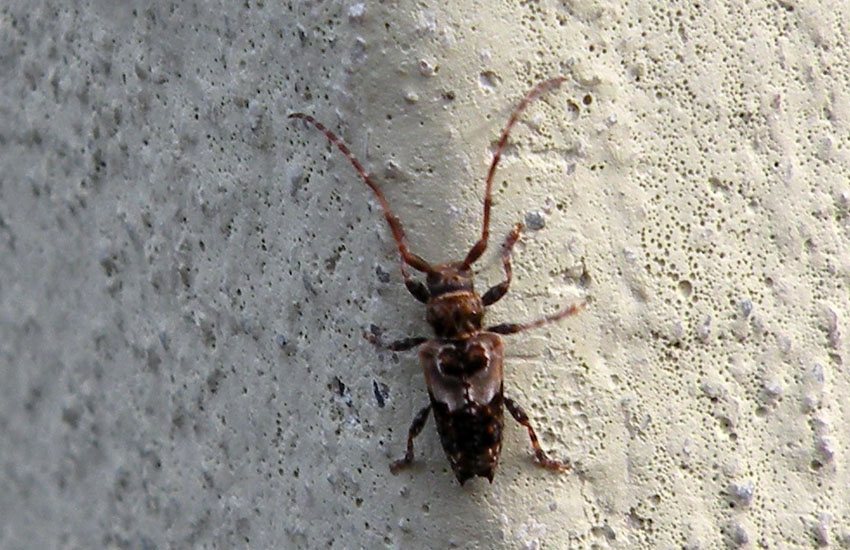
463 362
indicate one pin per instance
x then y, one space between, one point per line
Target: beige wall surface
186 275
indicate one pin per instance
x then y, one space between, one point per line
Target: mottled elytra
463 362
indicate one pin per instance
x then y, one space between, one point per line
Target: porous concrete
186 275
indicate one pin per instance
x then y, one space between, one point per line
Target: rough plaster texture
186 275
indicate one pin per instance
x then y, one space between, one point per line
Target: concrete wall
186 275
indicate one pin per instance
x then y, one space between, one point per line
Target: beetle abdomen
471 436
464 379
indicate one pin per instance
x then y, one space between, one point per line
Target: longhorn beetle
463 362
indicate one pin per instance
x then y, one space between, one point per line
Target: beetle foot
552 464
400 465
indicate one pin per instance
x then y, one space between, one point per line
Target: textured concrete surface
185 275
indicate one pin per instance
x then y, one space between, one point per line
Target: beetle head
449 278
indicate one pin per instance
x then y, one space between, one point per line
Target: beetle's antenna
407 256
479 247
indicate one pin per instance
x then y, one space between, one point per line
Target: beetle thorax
455 311
455 315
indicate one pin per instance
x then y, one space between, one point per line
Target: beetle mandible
463 362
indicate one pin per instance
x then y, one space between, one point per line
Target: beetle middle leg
542 459
495 293
405 343
399 345
513 328
415 428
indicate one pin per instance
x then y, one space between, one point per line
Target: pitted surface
186 275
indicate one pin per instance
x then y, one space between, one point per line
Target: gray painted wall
186 275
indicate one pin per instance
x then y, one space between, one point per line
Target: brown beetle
463 363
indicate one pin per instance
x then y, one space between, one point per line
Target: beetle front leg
495 293
415 428
542 459
417 288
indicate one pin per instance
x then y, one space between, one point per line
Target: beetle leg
542 459
399 345
415 428
513 328
405 343
417 288
495 293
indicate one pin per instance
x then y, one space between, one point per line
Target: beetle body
463 373
463 363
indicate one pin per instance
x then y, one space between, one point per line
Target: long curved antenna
407 256
479 247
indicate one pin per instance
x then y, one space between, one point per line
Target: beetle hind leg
541 456
415 428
